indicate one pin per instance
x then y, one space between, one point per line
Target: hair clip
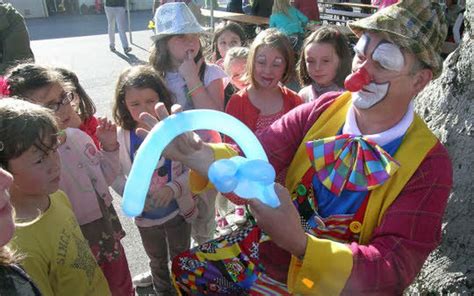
4 87
1 146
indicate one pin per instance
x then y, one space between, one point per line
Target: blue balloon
247 177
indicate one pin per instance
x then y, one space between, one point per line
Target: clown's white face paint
370 95
389 56
362 43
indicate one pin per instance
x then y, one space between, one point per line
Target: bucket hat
416 25
175 18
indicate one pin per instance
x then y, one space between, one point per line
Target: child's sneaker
223 226
143 280
239 215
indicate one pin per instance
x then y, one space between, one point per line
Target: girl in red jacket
265 99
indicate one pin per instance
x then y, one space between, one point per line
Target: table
351 15
331 14
237 17
357 5
341 16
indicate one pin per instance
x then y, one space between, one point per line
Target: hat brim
195 30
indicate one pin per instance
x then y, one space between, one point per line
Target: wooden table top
237 17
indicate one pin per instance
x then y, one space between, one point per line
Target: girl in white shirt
163 225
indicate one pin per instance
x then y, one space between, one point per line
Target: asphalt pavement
80 43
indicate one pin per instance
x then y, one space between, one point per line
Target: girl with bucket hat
177 54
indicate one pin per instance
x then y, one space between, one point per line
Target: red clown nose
357 80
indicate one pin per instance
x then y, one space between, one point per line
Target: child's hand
190 70
107 134
160 198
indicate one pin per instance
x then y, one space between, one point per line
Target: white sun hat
175 18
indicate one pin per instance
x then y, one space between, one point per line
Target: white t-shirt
177 85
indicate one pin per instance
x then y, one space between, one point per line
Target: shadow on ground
63 26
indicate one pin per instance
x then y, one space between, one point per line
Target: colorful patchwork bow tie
350 162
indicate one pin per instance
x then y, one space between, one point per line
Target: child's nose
65 109
317 65
55 163
268 68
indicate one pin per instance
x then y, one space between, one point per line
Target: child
83 105
235 62
177 56
13 279
138 90
235 66
226 36
55 252
324 63
86 172
270 62
288 20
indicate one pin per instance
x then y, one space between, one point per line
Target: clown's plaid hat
417 25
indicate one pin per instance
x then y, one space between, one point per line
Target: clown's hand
282 224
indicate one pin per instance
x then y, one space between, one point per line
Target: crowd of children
63 158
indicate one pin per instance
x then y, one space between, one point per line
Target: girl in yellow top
57 256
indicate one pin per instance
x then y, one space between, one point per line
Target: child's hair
277 40
25 78
86 105
281 6
137 77
9 256
160 57
23 125
223 27
235 53
330 35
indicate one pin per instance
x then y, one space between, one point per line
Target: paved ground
80 44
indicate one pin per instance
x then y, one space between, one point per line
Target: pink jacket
86 174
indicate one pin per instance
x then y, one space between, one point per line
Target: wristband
195 88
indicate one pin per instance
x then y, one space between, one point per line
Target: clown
366 185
